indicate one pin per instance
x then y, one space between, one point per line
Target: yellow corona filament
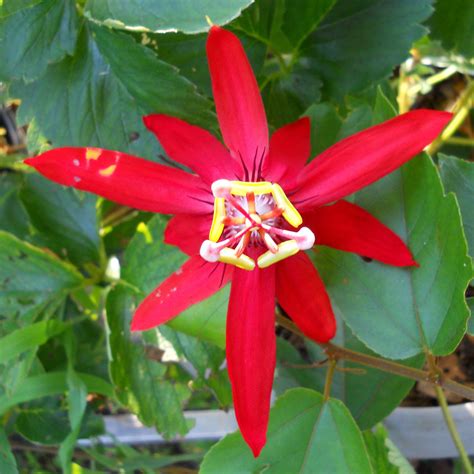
291 215
93 153
109 171
228 255
218 220
285 249
241 188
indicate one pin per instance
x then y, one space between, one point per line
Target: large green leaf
66 219
30 278
33 34
458 177
148 261
283 24
7 460
306 434
27 338
53 383
92 99
453 24
13 217
401 312
140 382
360 41
369 394
163 16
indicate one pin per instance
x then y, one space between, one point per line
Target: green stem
460 141
329 377
461 111
453 430
338 352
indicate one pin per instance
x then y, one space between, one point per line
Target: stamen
276 212
241 246
291 215
269 242
304 237
285 249
244 262
217 226
251 203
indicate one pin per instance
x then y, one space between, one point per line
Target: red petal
195 281
125 179
188 232
301 293
348 227
251 346
290 147
367 156
192 146
238 102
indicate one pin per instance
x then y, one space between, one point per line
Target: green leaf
52 383
66 219
202 355
458 177
28 338
384 455
470 321
306 434
401 312
7 460
107 102
30 278
453 23
13 217
360 41
141 382
163 16
148 261
369 394
34 34
35 419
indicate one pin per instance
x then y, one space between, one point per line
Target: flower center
253 214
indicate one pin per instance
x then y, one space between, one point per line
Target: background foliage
83 73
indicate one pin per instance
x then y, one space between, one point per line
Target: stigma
253 214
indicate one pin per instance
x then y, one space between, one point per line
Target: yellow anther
217 220
109 171
93 153
291 215
241 188
228 255
285 249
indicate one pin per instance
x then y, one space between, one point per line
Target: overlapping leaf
306 434
30 279
66 219
34 34
163 16
92 99
140 382
401 312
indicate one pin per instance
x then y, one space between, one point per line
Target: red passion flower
247 213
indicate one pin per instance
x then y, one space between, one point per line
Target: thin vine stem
453 430
341 353
329 376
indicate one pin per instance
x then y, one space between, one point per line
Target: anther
221 188
285 249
